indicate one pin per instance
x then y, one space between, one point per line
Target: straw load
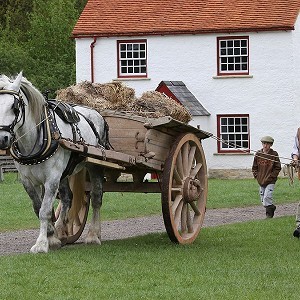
117 96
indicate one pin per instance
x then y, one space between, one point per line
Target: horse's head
11 108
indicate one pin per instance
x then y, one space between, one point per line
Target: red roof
161 17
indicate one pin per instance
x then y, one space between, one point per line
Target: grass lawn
252 260
16 210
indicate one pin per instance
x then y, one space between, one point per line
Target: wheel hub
191 190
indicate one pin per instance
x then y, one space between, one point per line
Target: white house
240 59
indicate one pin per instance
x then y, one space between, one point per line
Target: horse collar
51 135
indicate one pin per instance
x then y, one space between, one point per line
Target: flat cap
267 139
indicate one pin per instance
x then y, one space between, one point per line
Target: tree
35 38
51 49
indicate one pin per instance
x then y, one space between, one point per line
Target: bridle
18 109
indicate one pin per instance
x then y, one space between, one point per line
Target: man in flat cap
266 167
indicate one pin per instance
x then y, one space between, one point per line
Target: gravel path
21 241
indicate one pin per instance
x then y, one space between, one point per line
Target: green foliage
253 260
35 37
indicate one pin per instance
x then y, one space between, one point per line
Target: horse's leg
35 194
96 178
66 196
297 230
47 236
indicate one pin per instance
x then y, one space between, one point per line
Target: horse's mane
35 99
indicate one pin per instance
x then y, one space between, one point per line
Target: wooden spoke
189 222
195 209
191 158
177 215
196 170
185 158
184 218
179 165
177 177
176 203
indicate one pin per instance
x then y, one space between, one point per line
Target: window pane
231 67
244 51
223 121
237 43
244 43
223 44
223 52
237 51
223 128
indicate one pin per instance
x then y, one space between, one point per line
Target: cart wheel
184 191
78 213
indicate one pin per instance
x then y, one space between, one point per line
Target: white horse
32 130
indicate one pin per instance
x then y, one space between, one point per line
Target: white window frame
233 55
132 58
233 133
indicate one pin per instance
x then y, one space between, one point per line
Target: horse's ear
15 86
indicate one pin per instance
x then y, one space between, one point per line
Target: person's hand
295 163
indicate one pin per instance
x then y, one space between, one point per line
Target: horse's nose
5 141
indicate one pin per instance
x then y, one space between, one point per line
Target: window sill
232 76
131 79
233 153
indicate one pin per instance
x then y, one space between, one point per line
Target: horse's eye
15 107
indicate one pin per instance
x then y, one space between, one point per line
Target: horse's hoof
39 249
92 240
54 243
296 233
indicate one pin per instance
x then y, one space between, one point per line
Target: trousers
266 194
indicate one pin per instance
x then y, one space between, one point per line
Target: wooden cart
163 146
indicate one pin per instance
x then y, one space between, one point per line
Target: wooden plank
100 153
144 187
104 163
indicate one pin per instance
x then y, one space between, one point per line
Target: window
233 55
132 58
233 133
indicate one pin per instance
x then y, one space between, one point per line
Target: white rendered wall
271 97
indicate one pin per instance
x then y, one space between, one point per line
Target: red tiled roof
161 17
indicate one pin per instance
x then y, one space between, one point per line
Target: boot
270 209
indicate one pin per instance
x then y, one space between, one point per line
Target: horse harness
49 130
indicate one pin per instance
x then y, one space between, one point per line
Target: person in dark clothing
265 168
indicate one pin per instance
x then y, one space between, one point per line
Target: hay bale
117 96
160 105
